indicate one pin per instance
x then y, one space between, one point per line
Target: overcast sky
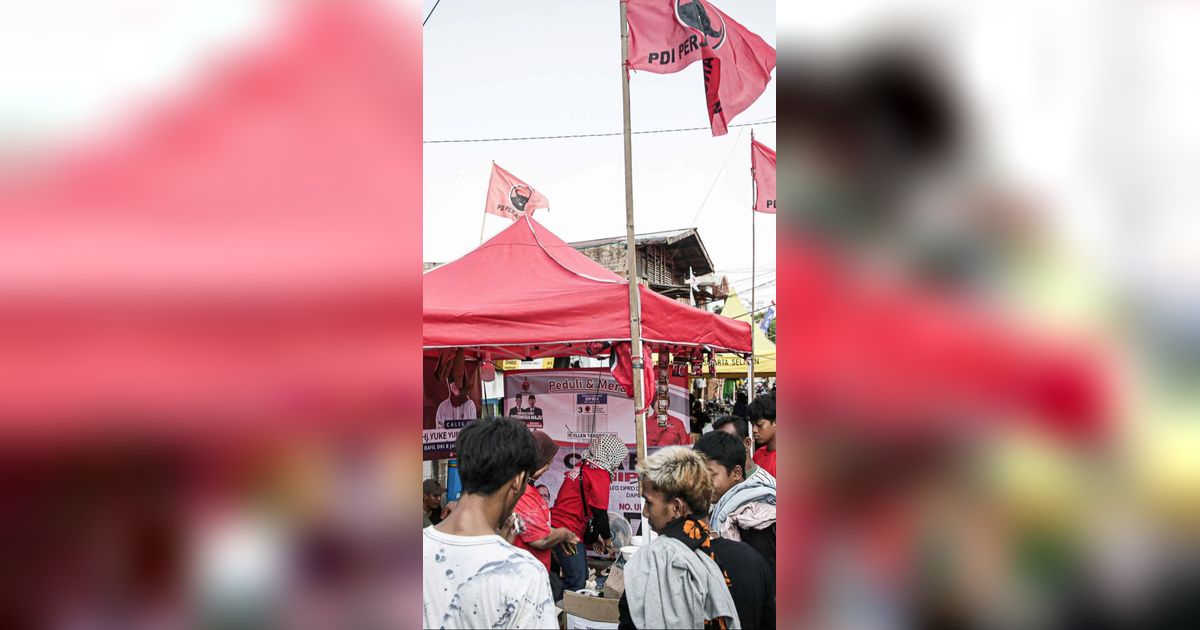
516 69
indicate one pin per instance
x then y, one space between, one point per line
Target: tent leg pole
635 308
753 289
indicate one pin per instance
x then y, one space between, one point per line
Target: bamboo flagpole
753 269
635 305
483 224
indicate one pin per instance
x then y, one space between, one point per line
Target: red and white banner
510 197
666 36
762 165
574 405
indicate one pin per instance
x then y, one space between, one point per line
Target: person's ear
519 481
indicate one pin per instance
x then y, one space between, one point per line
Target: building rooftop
685 244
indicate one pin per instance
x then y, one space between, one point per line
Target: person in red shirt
762 421
671 435
539 536
583 498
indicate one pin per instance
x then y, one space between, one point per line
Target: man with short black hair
740 428
431 501
762 419
743 508
472 577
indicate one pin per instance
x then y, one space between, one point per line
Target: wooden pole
753 274
483 223
635 305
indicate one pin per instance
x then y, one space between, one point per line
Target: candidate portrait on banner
516 410
458 406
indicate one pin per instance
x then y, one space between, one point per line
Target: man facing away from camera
472 577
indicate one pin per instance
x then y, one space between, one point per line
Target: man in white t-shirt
472 577
458 406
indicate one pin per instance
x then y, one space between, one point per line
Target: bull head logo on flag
519 195
509 196
667 36
694 16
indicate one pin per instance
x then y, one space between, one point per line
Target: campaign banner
446 410
573 405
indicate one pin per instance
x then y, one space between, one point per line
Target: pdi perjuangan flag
510 197
762 164
666 36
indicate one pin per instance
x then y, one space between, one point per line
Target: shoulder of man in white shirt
442 538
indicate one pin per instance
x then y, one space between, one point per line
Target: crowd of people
504 556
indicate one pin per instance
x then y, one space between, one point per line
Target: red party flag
510 197
666 36
622 370
762 165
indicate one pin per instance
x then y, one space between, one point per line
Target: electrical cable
586 135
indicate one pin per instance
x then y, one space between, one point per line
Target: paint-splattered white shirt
483 582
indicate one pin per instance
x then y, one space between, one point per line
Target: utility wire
757 310
587 135
740 270
748 280
718 175
747 272
435 5
744 285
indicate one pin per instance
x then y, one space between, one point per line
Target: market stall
525 294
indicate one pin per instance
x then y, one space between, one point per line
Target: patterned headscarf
606 451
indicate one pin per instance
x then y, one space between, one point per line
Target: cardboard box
601 609
614 586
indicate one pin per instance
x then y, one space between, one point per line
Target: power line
740 286
744 271
586 135
740 269
747 277
748 282
718 176
435 5
757 310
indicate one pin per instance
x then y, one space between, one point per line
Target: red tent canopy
526 293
